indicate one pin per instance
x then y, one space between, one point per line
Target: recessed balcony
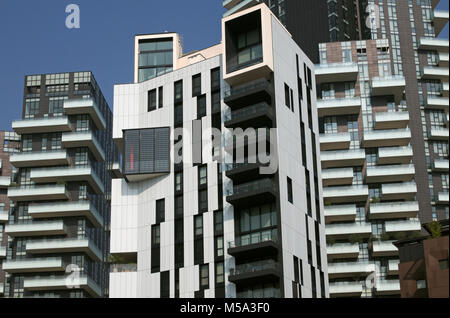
393 267
36 229
388 287
440 165
68 174
345 289
338 106
253 193
340 213
438 133
437 102
40 159
389 86
398 191
342 158
402 226
443 59
57 246
39 193
384 249
442 198
336 72
66 209
433 44
339 231
337 141
395 155
386 138
248 247
242 172
5 182
394 210
42 125
339 176
84 106
435 73
84 139
35 265
343 251
255 273
440 19
394 173
350 269
4 216
345 194
259 115
391 120
255 92
62 283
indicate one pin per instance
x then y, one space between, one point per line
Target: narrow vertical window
151 100
196 85
160 97
290 191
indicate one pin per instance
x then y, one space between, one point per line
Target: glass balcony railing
258 84
258 185
248 111
254 238
123 268
254 267
262 293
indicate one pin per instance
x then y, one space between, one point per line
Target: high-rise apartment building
198 212
58 225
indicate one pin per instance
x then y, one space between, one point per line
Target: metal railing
254 238
263 293
123 268
254 267
260 83
252 186
247 111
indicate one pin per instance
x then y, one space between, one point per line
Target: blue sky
35 40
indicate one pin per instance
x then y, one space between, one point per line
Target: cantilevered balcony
345 289
84 139
398 191
384 249
42 125
66 209
393 267
339 106
440 19
437 102
340 213
337 141
336 72
394 155
39 193
84 106
68 174
433 44
252 193
394 173
5 182
4 216
394 210
342 158
389 86
388 287
391 120
440 165
402 226
258 91
248 247
255 273
62 283
350 269
386 138
36 229
435 73
58 246
343 251
345 194
259 115
444 91
443 59
339 231
2 252
442 198
438 133
40 159
115 169
339 176
35 265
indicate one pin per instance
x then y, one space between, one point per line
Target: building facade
58 226
189 218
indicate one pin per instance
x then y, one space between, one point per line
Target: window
220 273
202 175
156 235
201 106
160 97
204 276
249 47
219 246
215 78
152 100
196 85
82 193
31 107
198 225
290 194
81 157
443 264
179 206
56 105
82 123
258 224
178 181
287 97
203 200
27 144
178 91
218 222
215 102
421 284
155 58
160 211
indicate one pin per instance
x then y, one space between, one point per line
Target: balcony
389 86
440 165
259 115
85 106
350 269
435 73
36 229
68 174
440 19
395 155
394 210
259 91
391 120
340 231
62 283
2 252
445 90
35 265
336 72
5 182
433 44
343 251
339 176
57 246
4 216
342 158
388 287
393 267
443 60
249 274
338 106
2 288
394 173
398 191
345 289
115 170
66 209
38 193
437 102
346 194
84 139
259 244
402 226
386 138
40 159
442 198
438 133
337 141
340 213
42 125
252 193
384 249
242 172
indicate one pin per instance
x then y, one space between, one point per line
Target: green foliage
113 259
374 200
435 228
355 238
